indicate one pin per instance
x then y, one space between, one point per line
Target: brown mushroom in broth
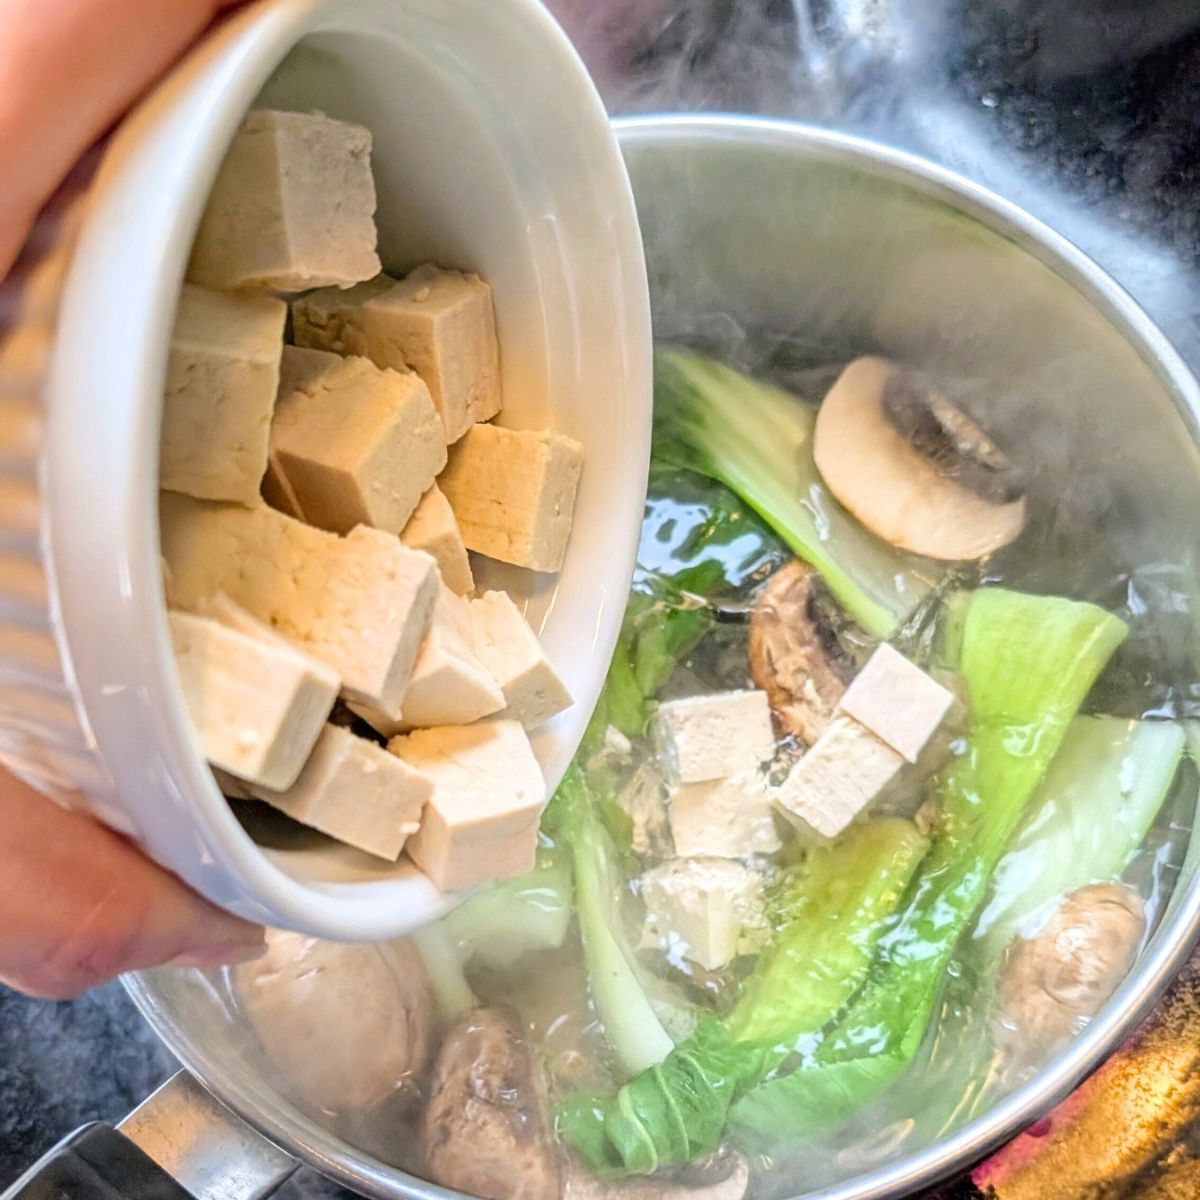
795 654
913 467
1060 976
486 1129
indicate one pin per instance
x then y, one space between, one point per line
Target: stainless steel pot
842 246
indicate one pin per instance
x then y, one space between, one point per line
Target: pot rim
1171 943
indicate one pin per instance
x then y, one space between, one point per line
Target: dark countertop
1086 113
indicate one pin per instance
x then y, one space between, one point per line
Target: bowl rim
1169 946
203 101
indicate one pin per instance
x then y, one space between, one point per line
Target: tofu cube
222 375
449 685
511 652
432 528
513 493
707 910
488 792
712 737
355 791
439 323
374 616
356 445
724 818
897 702
837 778
277 492
257 704
293 207
361 604
227 612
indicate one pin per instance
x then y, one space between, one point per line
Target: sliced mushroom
346 1026
485 1130
913 467
795 655
721 1177
1063 974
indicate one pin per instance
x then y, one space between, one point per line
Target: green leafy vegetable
446 968
1091 813
661 627
818 960
630 1023
757 440
1028 662
699 543
838 905
1102 792
512 918
1190 866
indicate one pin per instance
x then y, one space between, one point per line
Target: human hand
78 903
68 69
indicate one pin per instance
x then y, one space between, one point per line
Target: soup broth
891 983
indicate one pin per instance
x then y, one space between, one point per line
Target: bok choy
1028 662
631 1025
1094 809
757 440
838 903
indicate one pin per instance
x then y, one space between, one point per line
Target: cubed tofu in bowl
336 143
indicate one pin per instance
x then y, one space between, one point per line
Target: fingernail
219 955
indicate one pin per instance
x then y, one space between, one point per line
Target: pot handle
179 1144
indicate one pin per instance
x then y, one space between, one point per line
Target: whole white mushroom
346 1026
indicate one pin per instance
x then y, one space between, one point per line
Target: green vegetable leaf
819 960
677 1110
1028 662
1091 813
663 624
507 920
757 440
498 925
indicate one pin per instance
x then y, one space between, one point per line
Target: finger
80 904
68 69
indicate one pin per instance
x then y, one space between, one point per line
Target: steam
1084 114
827 61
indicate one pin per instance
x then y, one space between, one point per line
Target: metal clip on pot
180 1144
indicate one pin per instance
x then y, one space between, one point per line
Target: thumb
80 904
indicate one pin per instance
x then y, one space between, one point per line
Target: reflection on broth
802 903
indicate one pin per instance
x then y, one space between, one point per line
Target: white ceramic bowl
492 153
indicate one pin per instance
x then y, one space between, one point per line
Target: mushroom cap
793 657
346 1025
485 1130
902 495
1065 972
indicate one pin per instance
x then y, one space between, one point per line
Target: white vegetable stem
630 1023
